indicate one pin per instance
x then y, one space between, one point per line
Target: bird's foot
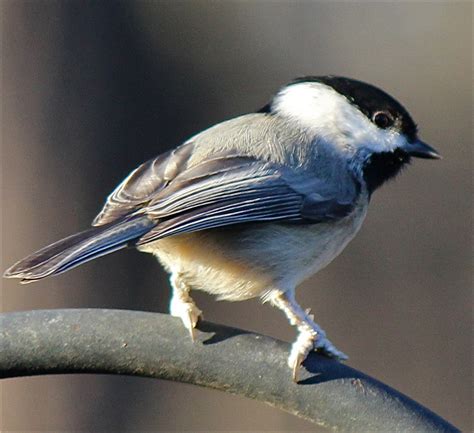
299 351
311 337
187 311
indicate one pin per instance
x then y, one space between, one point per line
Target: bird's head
357 120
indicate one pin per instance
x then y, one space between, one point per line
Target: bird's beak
419 149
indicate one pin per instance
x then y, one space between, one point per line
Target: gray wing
223 190
144 183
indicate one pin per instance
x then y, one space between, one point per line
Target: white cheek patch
330 115
311 104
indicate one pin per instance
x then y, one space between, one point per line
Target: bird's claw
189 314
190 319
294 362
308 340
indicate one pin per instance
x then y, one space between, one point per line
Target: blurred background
91 89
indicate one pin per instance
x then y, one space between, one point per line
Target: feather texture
225 190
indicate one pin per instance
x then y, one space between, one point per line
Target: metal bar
136 343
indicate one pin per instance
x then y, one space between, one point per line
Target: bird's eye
383 119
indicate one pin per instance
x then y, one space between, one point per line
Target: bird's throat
380 167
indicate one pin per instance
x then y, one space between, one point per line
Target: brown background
91 89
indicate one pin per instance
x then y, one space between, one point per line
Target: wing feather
240 192
228 213
143 183
222 190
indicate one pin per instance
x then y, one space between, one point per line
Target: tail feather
79 248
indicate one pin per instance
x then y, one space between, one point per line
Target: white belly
247 261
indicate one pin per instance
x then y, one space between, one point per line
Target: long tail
79 248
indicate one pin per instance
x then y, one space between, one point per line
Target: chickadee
253 206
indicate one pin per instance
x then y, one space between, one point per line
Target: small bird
253 206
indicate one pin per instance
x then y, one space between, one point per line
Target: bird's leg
310 335
183 306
